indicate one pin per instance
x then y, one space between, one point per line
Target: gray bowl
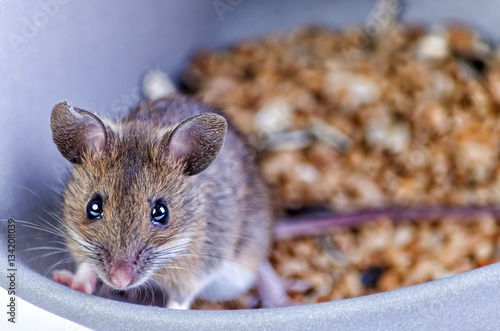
94 54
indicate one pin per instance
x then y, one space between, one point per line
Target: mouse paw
173 304
271 288
84 280
63 276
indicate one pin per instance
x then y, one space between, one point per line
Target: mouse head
134 201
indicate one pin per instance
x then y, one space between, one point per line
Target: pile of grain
410 118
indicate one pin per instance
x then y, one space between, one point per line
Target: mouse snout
121 275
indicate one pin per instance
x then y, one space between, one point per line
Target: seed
371 277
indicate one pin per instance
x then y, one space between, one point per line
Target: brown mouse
171 193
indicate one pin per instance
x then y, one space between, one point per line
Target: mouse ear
197 140
75 130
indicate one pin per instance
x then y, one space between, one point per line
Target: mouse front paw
272 290
84 280
63 276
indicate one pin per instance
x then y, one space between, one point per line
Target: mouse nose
121 275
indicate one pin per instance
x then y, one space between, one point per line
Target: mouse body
170 193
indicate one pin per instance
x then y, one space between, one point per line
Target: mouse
171 193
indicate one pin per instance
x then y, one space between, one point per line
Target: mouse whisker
89 254
143 291
168 277
185 267
65 224
58 249
87 245
47 205
61 243
51 254
210 245
54 227
162 288
49 270
179 268
40 227
38 257
216 257
171 263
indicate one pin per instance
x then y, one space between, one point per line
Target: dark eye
94 208
159 213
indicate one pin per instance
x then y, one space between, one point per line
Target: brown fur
225 209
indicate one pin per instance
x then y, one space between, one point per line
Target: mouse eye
159 214
94 208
